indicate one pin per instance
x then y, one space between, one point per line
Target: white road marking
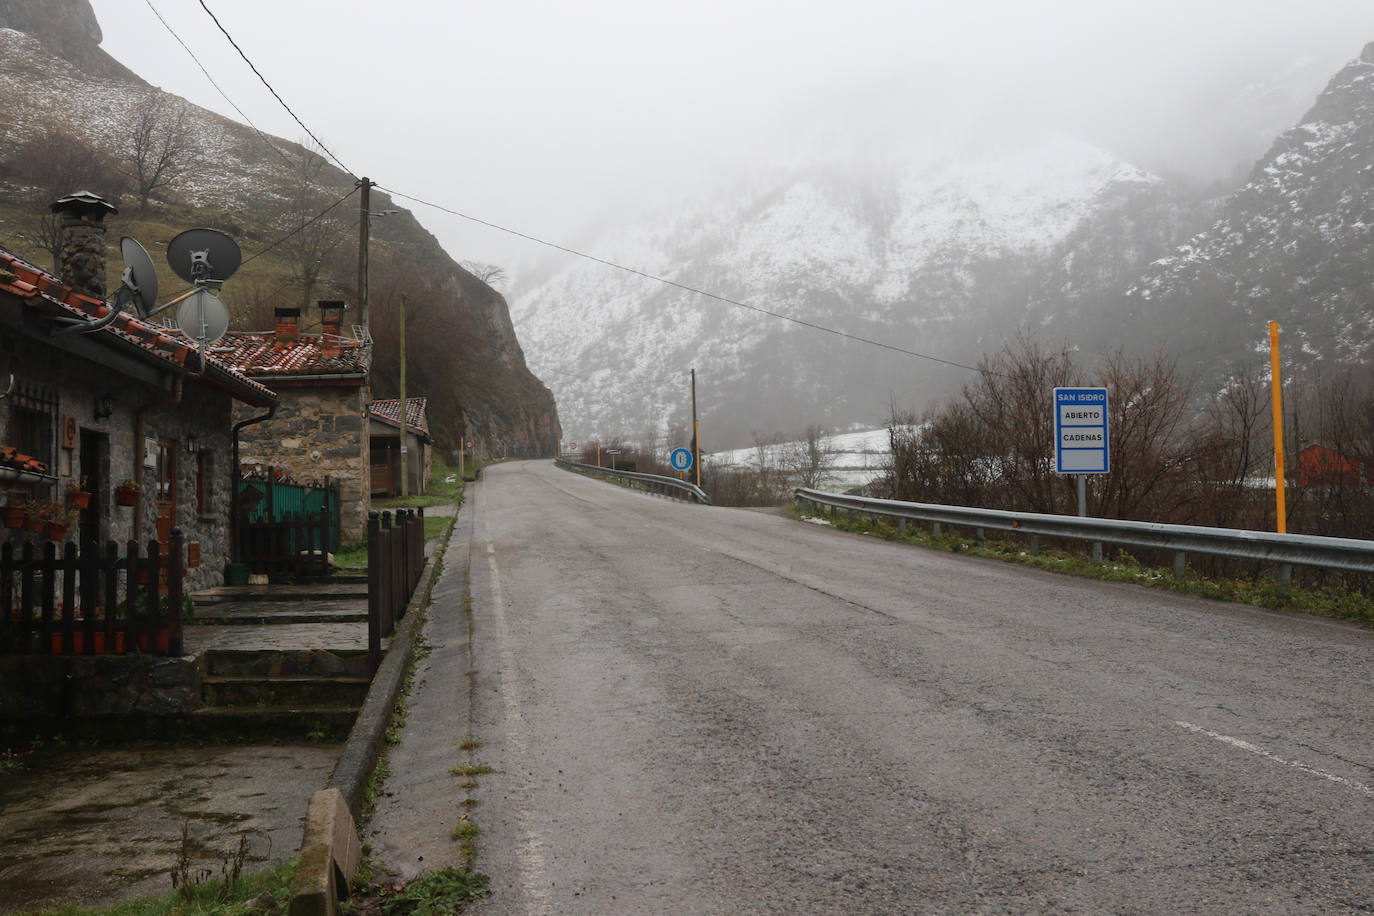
1256 749
529 846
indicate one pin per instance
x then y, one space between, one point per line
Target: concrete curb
364 744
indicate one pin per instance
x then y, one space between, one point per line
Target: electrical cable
275 95
262 136
682 286
302 227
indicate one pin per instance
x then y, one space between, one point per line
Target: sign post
1081 441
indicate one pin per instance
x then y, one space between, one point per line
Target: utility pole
364 202
404 450
696 430
1276 386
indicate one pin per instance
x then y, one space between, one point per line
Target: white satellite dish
203 317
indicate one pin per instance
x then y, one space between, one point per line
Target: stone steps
285 663
259 692
273 723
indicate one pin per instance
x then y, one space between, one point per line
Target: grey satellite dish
139 277
203 317
204 256
138 287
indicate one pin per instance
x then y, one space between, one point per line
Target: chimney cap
329 305
287 313
83 205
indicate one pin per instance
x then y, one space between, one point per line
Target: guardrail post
1285 579
1097 551
1035 545
1180 564
980 536
935 528
901 527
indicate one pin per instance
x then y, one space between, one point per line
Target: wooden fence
296 546
94 602
395 559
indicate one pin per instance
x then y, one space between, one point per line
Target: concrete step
270 593
285 663
313 691
245 614
272 723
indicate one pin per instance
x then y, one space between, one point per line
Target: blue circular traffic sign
680 459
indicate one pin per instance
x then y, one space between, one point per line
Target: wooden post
374 592
175 556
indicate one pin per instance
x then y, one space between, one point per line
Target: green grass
1122 567
205 900
353 555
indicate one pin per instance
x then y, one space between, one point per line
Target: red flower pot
79 500
126 496
13 516
54 532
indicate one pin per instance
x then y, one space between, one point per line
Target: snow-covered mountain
939 256
1295 245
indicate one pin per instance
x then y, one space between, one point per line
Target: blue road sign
680 459
1080 431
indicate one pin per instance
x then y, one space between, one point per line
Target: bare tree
312 229
490 274
810 459
49 165
161 144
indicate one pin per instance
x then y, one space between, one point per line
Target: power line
302 227
262 136
683 286
275 95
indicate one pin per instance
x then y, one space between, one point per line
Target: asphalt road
704 710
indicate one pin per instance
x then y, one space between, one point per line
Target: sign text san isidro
1080 431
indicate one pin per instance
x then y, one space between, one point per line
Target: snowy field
856 458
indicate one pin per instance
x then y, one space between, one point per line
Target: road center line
1256 749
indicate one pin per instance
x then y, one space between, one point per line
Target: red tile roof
38 289
388 410
261 355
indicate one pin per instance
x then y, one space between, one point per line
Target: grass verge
1120 567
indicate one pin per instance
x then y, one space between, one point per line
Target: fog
549 118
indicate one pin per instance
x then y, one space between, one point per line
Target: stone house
318 433
85 407
385 427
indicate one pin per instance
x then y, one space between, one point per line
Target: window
33 422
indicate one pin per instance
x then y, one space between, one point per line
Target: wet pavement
89 825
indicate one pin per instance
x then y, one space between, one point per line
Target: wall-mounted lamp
104 406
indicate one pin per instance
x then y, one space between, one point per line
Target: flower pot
126 496
33 523
78 644
78 500
55 532
13 516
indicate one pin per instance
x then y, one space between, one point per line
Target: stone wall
52 687
189 415
317 435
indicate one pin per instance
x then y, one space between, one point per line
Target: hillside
1295 244
75 130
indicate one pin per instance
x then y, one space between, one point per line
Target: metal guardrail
666 486
1286 550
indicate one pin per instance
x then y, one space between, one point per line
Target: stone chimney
288 325
81 263
331 326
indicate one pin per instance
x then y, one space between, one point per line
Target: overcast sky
545 116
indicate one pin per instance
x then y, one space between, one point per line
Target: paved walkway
97 826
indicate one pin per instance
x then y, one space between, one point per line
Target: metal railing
665 486
1285 550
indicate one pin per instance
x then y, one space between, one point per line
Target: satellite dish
204 256
203 317
139 278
